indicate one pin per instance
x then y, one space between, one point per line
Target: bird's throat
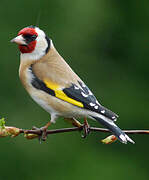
28 48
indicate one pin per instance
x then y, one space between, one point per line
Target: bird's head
32 42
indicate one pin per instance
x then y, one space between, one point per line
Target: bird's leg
43 130
74 122
86 128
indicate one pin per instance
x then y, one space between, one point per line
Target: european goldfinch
55 86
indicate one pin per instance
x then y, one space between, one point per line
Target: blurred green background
107 44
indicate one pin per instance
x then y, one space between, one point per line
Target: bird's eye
29 38
34 36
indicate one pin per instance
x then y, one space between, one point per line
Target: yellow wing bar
60 94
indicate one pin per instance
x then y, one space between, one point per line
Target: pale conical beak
19 40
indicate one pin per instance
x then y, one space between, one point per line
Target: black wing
85 96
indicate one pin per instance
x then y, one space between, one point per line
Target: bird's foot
43 132
86 128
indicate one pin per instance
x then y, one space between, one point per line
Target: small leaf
30 136
109 139
2 123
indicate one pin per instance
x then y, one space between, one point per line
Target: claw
39 136
43 132
86 128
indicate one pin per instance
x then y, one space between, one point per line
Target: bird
52 84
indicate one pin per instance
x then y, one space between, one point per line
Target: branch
31 134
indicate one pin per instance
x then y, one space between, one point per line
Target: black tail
114 129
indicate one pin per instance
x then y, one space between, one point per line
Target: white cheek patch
40 48
39 32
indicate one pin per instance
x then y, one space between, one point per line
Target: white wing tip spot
76 87
84 95
92 104
123 138
96 107
103 111
126 138
114 118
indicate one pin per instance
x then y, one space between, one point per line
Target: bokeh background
107 44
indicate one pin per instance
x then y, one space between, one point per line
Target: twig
95 129
31 134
